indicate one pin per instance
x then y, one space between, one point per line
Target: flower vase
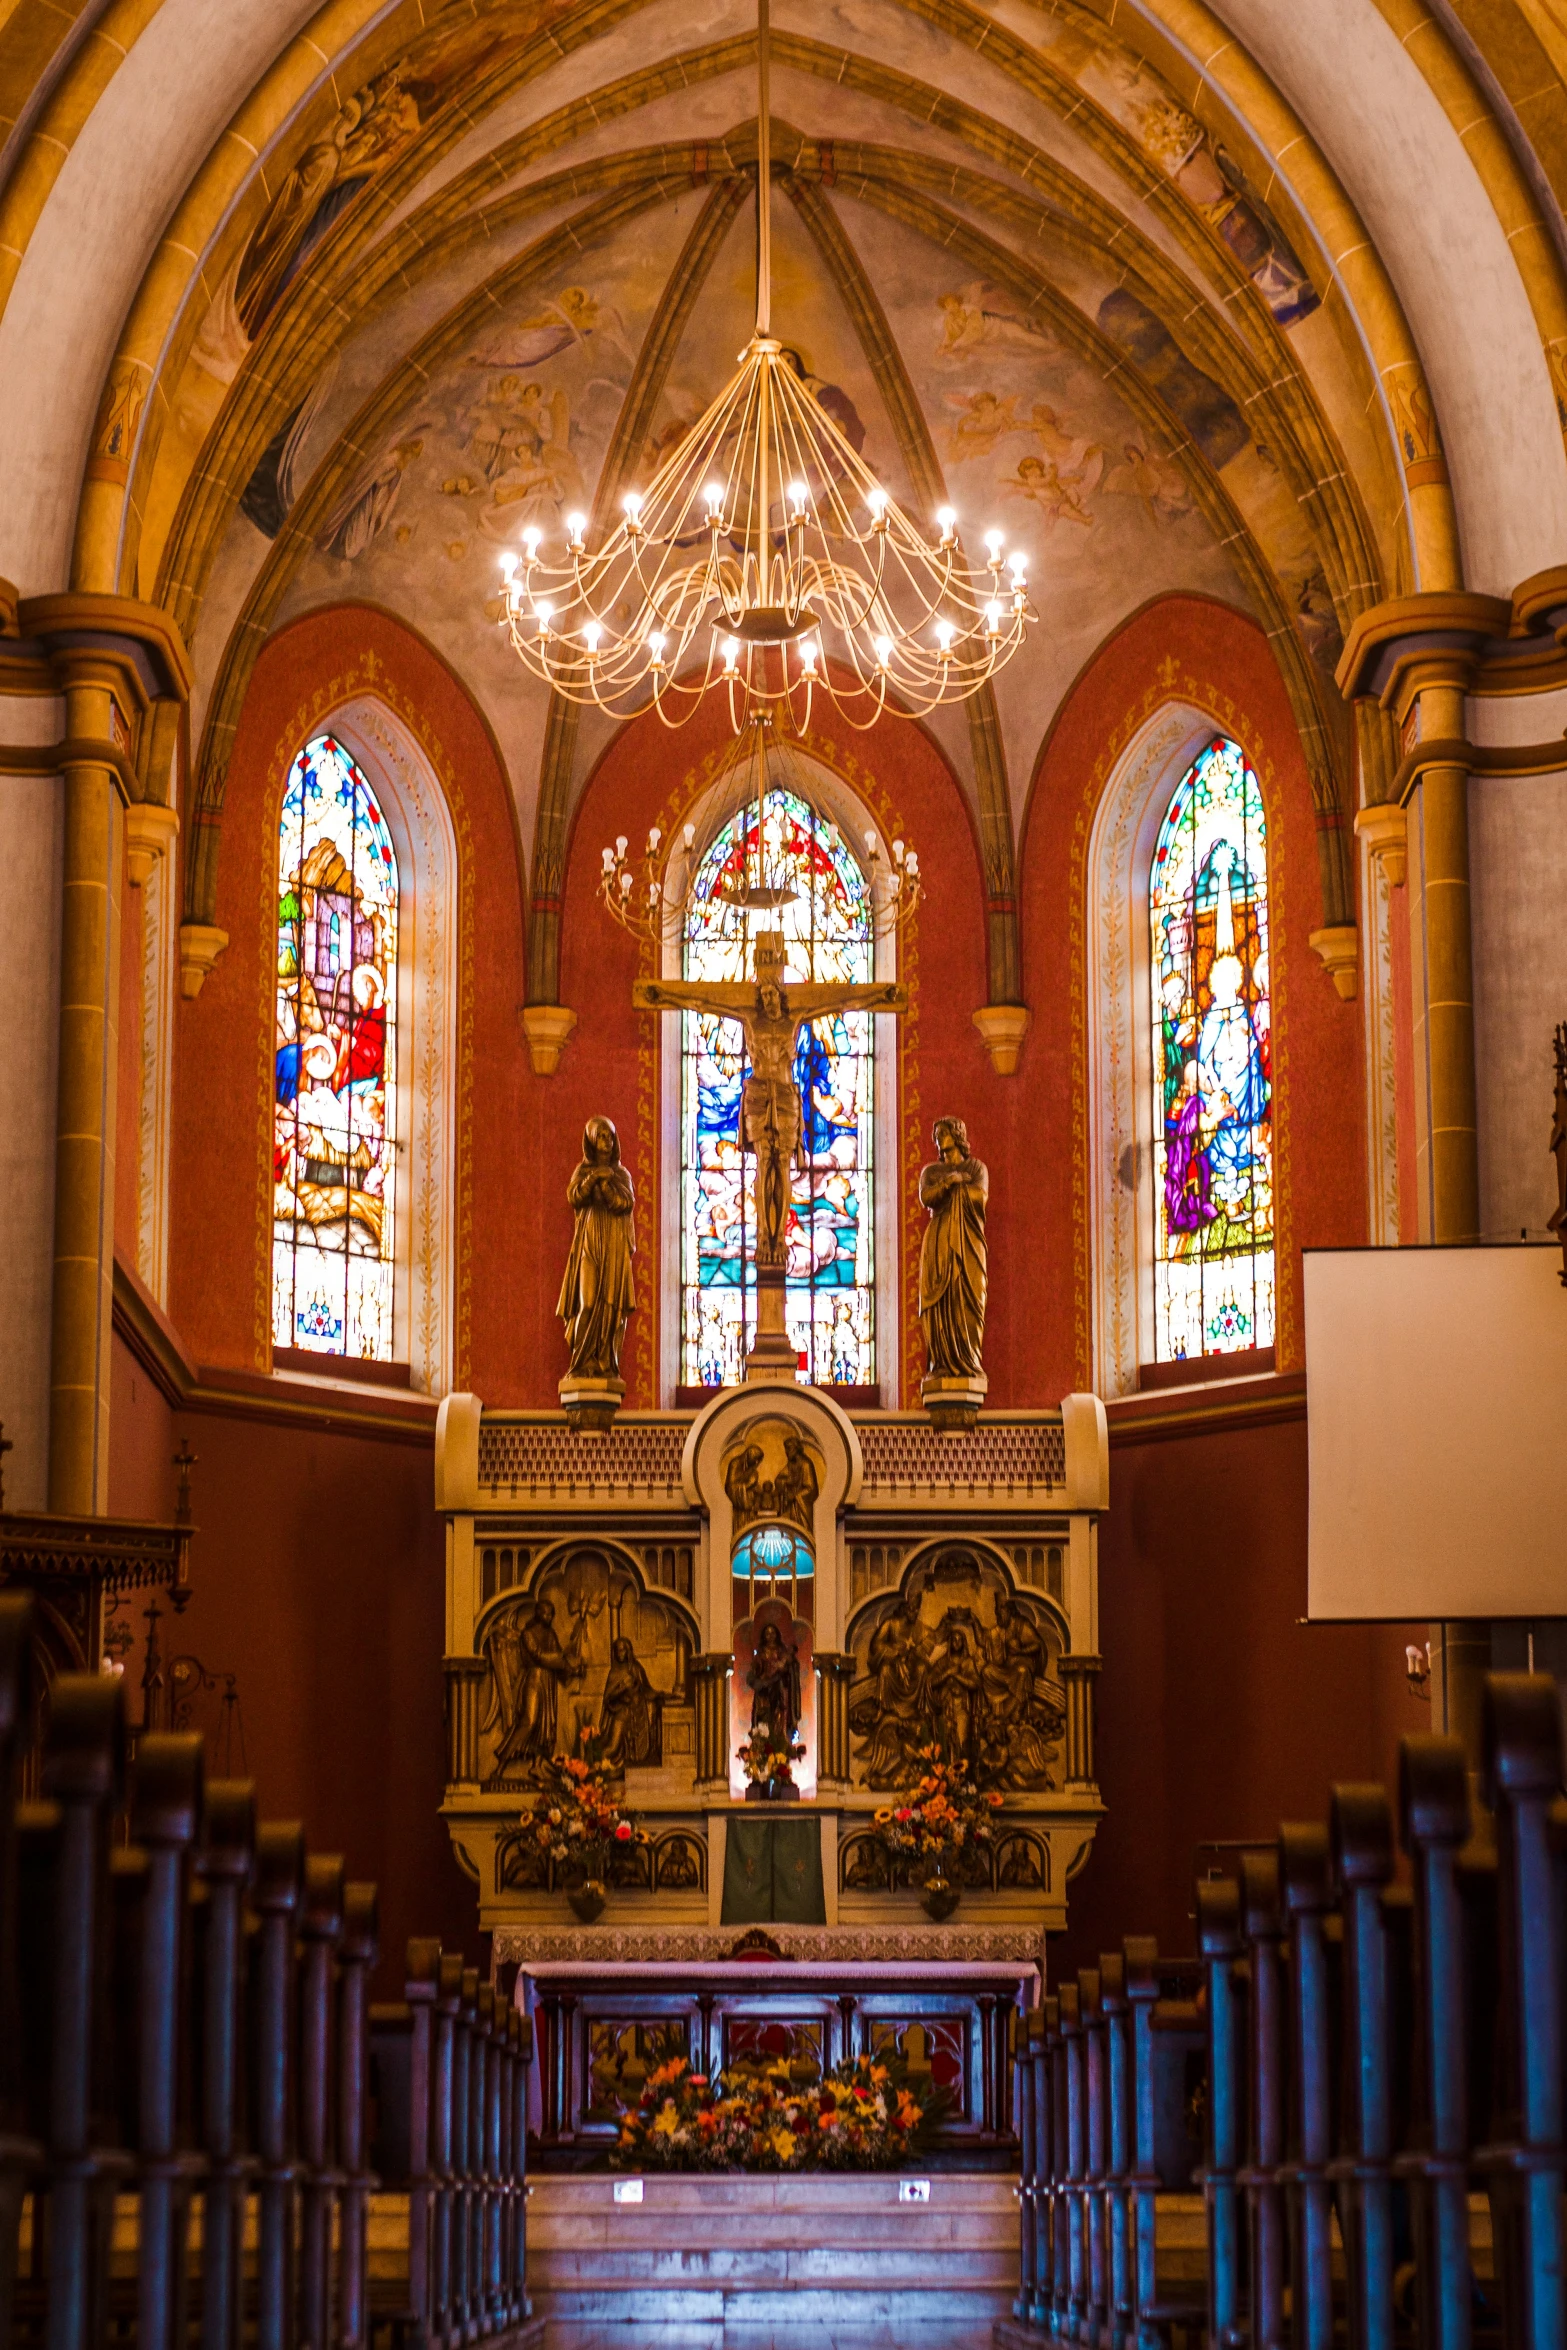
939 1897
587 1900
772 1791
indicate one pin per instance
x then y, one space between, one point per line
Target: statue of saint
774 1680
954 1692
953 1260
771 1111
796 1488
541 1665
629 1712
598 1291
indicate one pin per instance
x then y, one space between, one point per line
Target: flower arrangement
945 1815
767 1764
577 1819
860 2116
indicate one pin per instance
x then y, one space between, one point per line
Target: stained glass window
1212 1064
828 933
336 1061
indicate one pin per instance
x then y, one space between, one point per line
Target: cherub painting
1054 496
982 420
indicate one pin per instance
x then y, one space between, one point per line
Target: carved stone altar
939 1585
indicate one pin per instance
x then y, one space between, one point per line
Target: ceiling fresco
486 266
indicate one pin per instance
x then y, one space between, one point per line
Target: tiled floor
560 2335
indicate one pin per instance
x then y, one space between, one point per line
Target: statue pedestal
591 1403
954 1404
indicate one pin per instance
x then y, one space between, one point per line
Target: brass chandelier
765 559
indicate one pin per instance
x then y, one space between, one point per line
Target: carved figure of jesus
773 1117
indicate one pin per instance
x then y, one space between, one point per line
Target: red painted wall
319 1561
318 1579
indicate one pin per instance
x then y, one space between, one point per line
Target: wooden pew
1525 2164
184 2023
19 2152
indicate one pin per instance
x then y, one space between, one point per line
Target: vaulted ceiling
1255 299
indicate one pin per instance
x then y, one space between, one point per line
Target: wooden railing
1378 2071
197 2103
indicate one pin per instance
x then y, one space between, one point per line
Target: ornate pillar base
774 1355
954 1404
591 1404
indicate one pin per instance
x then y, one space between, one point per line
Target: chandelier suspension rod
764 176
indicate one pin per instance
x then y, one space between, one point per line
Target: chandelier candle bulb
801 536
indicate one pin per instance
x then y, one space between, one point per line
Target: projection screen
1436 1387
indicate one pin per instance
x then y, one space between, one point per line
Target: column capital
1385 831
151 830
1448 627
110 639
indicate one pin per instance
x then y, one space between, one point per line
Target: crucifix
772 1117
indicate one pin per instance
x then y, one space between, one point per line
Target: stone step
639 2225
855 2268
842 2312
819 2248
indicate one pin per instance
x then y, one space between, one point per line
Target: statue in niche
539 1665
630 1711
598 1291
679 1870
774 1680
955 1188
796 1486
743 1485
954 1687
790 1496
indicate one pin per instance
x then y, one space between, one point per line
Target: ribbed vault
373 285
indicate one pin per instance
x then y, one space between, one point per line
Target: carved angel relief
585 1644
957 1657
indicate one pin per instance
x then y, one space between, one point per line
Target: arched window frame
833 799
1122 1205
423 1095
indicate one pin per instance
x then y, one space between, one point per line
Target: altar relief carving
586 1644
957 1658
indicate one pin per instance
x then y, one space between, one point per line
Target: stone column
709 1687
1078 1674
83 1295
114 659
465 1678
1437 805
836 1672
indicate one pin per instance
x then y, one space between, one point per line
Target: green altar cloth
773 1872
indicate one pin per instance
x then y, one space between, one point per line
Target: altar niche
958 1657
586 1644
865 1584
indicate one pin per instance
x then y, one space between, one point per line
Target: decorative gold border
367 675
1174 685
